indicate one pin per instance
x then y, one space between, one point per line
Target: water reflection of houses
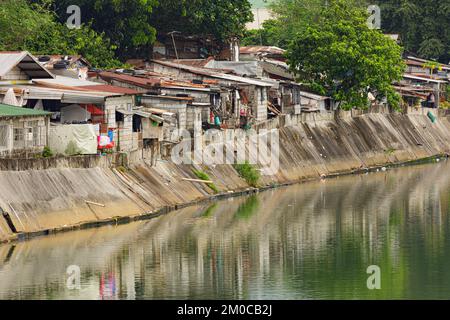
245 247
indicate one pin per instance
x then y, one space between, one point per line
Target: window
32 134
19 138
4 137
43 135
36 137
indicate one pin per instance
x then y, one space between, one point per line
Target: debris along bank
37 202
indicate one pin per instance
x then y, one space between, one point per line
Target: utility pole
174 44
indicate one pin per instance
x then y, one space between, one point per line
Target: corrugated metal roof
193 62
25 61
313 96
148 81
442 65
412 77
109 88
11 111
66 95
149 96
262 49
65 81
211 73
137 81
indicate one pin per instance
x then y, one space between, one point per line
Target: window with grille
4 137
19 138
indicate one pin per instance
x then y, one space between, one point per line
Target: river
308 241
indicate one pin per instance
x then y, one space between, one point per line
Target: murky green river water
310 241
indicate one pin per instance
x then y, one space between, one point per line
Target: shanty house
315 103
284 94
21 67
184 98
22 130
73 66
245 97
423 84
176 105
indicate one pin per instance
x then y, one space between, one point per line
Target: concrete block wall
194 117
174 106
125 140
260 105
114 103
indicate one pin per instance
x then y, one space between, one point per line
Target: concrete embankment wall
59 198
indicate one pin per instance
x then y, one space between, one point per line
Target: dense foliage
338 55
423 24
132 25
125 22
114 28
221 19
34 27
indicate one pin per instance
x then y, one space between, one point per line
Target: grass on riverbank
203 176
249 173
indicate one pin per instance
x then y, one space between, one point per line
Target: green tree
268 35
33 27
292 17
28 27
125 22
340 56
423 24
221 19
95 47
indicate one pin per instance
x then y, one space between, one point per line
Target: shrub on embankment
204 176
249 173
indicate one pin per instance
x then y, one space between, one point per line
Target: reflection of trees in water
311 240
326 234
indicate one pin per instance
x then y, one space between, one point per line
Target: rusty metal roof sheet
137 81
109 88
214 74
193 62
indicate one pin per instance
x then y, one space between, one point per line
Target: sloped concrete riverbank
37 202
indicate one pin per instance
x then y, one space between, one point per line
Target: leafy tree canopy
338 55
423 24
222 19
33 27
292 16
132 25
124 22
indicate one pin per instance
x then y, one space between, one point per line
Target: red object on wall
94 110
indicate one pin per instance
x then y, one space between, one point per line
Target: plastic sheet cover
74 139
